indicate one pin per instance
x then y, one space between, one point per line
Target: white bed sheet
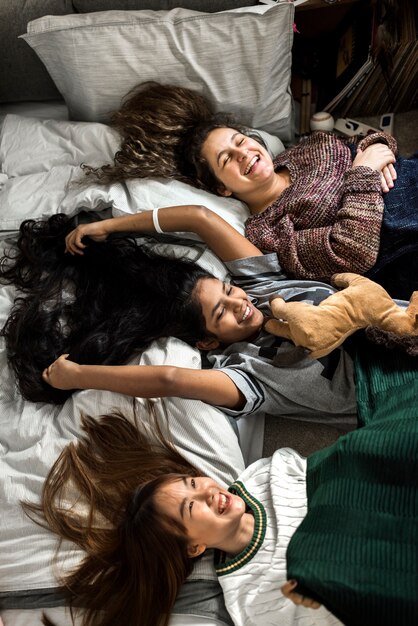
33 434
40 158
40 182
31 437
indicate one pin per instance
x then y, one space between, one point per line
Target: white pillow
138 195
41 159
32 435
239 59
30 145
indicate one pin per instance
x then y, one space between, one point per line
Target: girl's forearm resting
220 236
226 242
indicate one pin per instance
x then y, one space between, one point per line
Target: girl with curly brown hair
323 206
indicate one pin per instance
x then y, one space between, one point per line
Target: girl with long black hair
122 299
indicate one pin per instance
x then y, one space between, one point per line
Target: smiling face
239 162
229 315
213 517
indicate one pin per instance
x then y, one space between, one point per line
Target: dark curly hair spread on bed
163 128
99 494
99 308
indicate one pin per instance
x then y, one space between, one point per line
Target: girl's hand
62 373
98 231
297 598
378 157
388 177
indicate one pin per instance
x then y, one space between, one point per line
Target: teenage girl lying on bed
133 528
123 300
323 206
142 514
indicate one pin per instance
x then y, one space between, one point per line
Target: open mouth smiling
223 503
247 313
251 164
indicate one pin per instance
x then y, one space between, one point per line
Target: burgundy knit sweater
328 220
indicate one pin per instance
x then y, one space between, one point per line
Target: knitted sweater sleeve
351 244
378 138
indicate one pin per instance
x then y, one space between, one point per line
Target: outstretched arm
226 242
147 381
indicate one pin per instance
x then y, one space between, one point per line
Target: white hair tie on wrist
156 223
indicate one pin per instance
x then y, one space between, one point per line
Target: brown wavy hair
99 495
153 121
163 128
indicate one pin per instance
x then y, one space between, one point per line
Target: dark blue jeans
397 263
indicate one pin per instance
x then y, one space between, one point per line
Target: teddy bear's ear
413 308
278 328
278 308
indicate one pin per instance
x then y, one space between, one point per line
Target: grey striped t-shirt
275 376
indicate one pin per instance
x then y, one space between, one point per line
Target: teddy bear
361 303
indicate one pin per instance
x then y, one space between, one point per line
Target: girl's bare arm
226 242
147 381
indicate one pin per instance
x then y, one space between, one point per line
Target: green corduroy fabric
386 383
356 551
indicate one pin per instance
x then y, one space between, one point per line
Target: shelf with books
336 51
